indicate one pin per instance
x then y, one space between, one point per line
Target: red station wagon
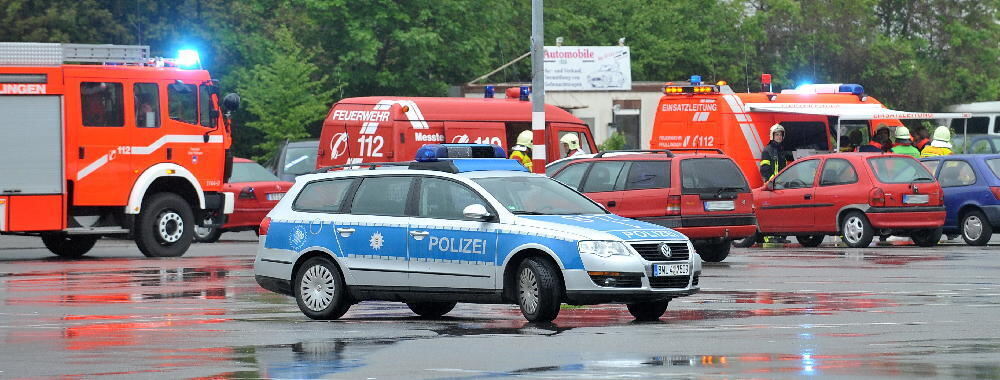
257 189
856 195
701 195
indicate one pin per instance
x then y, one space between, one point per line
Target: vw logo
665 250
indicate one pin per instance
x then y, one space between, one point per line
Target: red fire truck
100 140
376 129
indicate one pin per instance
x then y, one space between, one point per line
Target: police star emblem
376 241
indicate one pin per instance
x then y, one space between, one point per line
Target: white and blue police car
442 230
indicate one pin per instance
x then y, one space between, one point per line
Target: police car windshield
538 196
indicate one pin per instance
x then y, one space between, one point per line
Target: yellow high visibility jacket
931 151
523 158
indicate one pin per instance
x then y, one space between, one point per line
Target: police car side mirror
476 212
231 102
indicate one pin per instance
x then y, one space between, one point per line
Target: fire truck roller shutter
155 172
31 145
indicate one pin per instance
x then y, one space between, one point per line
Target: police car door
373 236
448 250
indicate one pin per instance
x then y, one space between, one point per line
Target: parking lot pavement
895 311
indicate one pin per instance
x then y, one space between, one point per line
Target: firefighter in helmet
940 145
571 144
772 159
522 150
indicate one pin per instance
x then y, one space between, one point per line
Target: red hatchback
703 196
257 191
856 195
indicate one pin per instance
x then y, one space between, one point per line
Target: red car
701 195
257 191
856 195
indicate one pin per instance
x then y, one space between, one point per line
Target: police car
443 230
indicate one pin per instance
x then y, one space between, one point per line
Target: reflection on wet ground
762 313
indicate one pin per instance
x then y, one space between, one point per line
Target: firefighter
940 144
879 143
903 143
571 144
921 137
772 159
522 150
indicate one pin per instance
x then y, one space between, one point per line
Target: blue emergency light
855 89
188 59
488 92
695 80
525 90
453 158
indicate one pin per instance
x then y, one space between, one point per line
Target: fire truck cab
100 140
376 129
817 118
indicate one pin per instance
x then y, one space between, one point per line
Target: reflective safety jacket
772 160
523 157
931 151
906 149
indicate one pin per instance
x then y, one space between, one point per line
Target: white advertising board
587 68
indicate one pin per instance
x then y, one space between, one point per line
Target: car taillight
673 205
876 197
264 225
248 193
996 192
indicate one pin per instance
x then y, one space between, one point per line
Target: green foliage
614 142
284 95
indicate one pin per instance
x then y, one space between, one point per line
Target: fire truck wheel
69 246
165 226
207 234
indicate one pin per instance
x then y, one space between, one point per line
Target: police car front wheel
320 290
539 291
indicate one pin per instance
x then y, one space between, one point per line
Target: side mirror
231 102
476 212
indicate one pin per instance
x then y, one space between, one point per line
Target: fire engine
375 129
100 140
817 118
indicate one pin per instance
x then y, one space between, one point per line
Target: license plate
912 199
275 196
719 206
671 270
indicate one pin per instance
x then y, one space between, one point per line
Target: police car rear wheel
164 227
320 290
431 309
539 290
648 311
68 246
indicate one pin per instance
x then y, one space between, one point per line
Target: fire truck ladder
51 54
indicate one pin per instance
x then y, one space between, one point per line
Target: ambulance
388 129
100 140
817 118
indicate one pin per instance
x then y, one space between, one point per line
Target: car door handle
808 196
419 235
612 203
345 232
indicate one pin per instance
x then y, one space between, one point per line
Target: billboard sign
588 68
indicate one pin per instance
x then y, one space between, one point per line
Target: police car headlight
603 248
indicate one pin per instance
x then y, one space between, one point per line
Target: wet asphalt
888 311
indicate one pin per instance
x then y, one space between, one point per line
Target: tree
284 95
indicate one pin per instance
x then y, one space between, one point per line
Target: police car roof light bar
465 165
434 152
664 151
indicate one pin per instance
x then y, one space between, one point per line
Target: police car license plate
912 199
719 206
671 270
275 196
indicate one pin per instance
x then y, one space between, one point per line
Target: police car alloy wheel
164 227
320 291
539 292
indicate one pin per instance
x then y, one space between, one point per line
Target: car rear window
899 170
711 175
250 172
994 164
648 175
